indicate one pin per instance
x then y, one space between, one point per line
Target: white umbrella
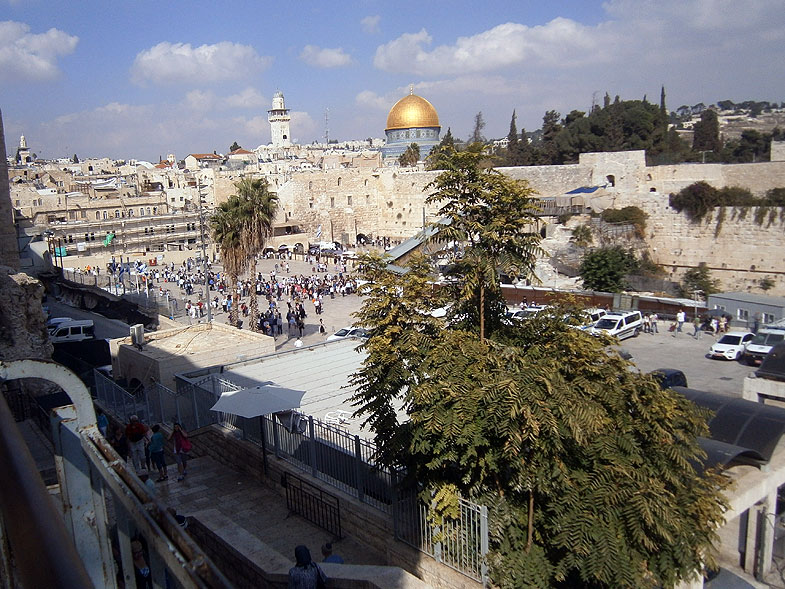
259 400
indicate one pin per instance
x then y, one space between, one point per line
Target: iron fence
327 452
460 543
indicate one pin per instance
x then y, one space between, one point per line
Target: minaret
279 119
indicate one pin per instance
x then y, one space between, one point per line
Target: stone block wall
9 247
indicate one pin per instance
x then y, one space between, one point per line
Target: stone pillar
767 516
9 246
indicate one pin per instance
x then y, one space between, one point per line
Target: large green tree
587 466
411 156
494 220
604 269
257 214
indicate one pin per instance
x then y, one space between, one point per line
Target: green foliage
439 157
706 133
479 125
75 159
552 431
493 216
699 199
631 214
411 156
604 269
766 283
234 147
698 279
582 236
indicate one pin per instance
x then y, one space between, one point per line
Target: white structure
279 119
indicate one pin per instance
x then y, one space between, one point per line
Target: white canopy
259 400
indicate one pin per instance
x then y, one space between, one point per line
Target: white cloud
369 98
325 58
175 63
370 24
250 98
28 56
303 126
561 41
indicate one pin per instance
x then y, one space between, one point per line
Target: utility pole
204 253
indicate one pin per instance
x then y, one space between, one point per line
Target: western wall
391 202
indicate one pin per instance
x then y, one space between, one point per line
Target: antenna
326 126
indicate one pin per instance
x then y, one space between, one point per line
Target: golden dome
410 112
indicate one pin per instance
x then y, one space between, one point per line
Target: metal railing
77 545
461 543
315 505
325 451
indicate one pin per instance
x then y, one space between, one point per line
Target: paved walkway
255 508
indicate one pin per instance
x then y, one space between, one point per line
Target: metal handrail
44 554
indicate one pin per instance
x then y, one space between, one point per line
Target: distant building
746 308
411 120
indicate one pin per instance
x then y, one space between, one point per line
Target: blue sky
144 79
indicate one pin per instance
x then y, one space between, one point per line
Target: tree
234 147
585 464
766 283
494 217
706 136
439 157
411 156
257 214
550 128
75 159
479 125
227 227
604 269
582 236
699 279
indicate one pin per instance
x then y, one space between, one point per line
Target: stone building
279 118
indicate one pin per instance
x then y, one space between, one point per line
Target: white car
345 332
621 324
731 345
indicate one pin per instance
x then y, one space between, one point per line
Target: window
768 318
106 215
155 210
130 212
611 179
148 210
365 182
310 185
92 237
332 201
117 214
349 200
83 214
97 215
743 314
141 211
339 181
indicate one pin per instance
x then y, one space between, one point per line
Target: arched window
97 215
117 213
310 185
106 216
339 181
148 210
365 183
611 179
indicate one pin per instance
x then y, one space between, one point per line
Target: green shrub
631 214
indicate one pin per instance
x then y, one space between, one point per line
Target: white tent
259 400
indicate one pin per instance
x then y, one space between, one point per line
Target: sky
140 80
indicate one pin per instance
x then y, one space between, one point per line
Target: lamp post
204 254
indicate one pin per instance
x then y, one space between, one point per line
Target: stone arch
611 179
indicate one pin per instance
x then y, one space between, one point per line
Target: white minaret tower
279 119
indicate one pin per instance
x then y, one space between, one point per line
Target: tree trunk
482 311
254 304
235 299
530 531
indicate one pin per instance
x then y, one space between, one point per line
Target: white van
619 324
73 331
760 345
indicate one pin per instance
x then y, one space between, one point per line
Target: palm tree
227 228
258 213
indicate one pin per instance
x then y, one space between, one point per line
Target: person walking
653 319
156 447
182 445
305 574
681 317
135 432
696 323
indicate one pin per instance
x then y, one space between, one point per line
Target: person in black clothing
120 443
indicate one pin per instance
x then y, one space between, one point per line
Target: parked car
669 377
53 323
621 325
731 345
760 345
345 332
73 331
